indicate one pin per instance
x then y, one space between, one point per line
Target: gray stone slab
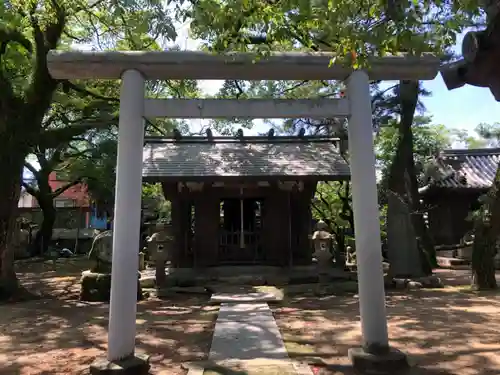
236 337
244 297
250 367
246 312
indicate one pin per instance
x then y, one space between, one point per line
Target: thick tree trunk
11 166
483 252
486 233
21 116
402 175
44 234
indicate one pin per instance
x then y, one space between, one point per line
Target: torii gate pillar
375 355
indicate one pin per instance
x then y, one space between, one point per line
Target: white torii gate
135 67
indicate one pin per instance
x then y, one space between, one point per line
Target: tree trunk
486 232
44 234
11 165
402 175
483 252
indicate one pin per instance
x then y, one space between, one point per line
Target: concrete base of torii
387 361
134 365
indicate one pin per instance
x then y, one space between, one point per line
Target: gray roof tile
185 160
474 168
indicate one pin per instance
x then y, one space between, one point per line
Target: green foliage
153 200
346 27
428 140
483 136
467 140
63 130
97 170
332 204
490 133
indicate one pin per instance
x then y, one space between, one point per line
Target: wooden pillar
181 208
187 259
175 204
275 230
295 219
301 218
207 218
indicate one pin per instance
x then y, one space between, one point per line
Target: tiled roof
474 168
187 160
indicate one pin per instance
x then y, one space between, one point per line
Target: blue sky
464 107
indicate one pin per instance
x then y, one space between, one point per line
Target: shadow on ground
444 331
57 334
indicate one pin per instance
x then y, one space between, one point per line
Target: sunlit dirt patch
59 335
444 331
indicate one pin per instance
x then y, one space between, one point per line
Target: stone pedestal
134 365
96 287
388 361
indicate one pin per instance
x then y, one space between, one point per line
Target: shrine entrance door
240 231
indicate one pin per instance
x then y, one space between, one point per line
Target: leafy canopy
346 27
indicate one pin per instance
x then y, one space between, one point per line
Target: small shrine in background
242 200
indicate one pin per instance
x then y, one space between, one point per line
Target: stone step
453 263
252 297
248 367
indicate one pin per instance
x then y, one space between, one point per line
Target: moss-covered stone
96 287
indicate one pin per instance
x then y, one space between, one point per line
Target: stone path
246 331
246 337
242 297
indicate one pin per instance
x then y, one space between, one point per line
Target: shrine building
243 199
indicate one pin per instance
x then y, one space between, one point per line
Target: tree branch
62 189
9 36
85 91
42 86
52 138
31 190
31 168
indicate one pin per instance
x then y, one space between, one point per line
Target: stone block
388 362
431 281
414 285
400 283
134 365
96 287
148 281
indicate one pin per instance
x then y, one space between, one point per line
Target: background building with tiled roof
458 179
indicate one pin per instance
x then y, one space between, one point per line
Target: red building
75 196
73 205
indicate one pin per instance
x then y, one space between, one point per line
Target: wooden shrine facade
243 200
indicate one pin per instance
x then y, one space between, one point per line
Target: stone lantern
160 244
322 241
